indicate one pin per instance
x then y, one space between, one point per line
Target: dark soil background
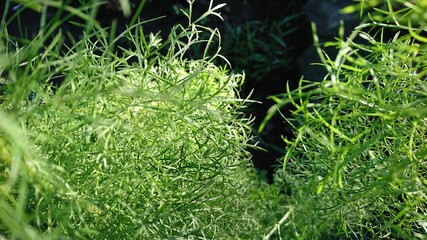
262 38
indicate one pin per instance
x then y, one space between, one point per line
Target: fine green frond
356 168
146 145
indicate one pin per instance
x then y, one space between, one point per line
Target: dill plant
146 145
356 168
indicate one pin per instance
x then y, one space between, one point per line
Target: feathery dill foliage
357 168
145 145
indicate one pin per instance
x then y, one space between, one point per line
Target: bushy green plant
146 145
357 168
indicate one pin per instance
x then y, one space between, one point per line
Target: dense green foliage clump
140 142
145 145
357 167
